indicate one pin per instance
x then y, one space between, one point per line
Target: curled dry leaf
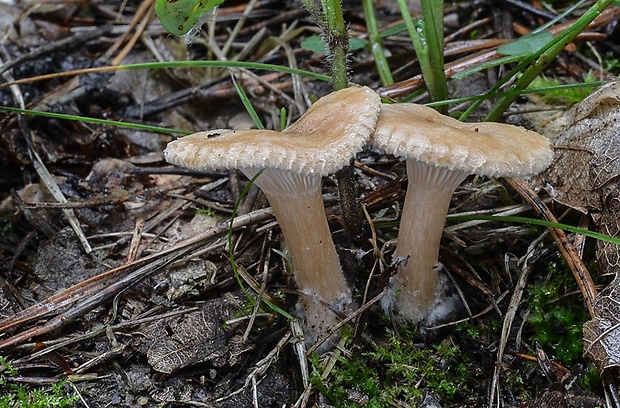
584 175
587 160
190 278
601 335
192 338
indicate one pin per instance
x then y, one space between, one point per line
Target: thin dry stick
345 321
515 300
136 36
298 85
299 345
135 240
233 35
260 368
263 287
46 177
56 344
91 288
84 305
251 45
373 240
138 16
574 262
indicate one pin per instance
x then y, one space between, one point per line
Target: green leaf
528 44
394 30
314 43
486 65
357 43
554 93
179 16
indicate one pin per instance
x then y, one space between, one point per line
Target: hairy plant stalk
337 40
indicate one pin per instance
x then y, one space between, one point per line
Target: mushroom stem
317 267
416 287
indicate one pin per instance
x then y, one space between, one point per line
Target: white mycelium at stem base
297 204
416 288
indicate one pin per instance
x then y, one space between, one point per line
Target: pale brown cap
321 142
488 149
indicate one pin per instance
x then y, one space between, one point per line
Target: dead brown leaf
192 338
587 160
584 175
601 335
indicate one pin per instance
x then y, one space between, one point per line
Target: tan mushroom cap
321 142
489 149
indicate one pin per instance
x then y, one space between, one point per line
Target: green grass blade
560 16
419 44
247 104
488 64
542 90
376 48
282 118
536 63
85 119
547 54
229 64
432 10
179 64
535 221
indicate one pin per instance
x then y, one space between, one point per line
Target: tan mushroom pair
440 153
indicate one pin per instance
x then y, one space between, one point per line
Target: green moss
206 211
484 330
611 63
397 369
562 95
19 395
557 315
591 379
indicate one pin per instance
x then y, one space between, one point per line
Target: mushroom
440 153
293 162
